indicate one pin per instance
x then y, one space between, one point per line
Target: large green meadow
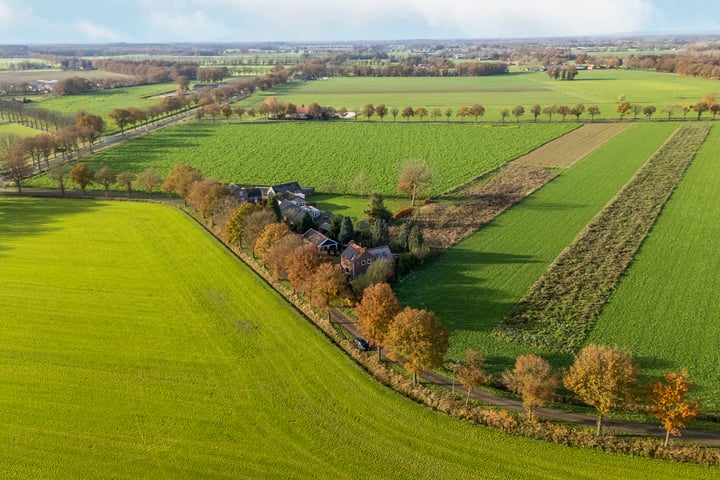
600 87
104 101
316 154
475 284
135 346
665 309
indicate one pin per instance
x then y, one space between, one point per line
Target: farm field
104 101
665 309
601 87
474 285
316 154
7 128
34 75
161 361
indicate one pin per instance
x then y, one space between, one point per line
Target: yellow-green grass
7 128
601 87
315 153
135 346
104 101
475 284
665 309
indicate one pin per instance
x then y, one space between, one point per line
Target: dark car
362 344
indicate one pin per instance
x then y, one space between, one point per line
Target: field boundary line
491 194
558 311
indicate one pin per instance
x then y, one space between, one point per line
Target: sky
164 21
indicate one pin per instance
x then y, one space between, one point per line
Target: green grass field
315 153
171 360
7 128
665 309
104 101
474 285
601 87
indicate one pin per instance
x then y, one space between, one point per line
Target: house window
362 262
369 262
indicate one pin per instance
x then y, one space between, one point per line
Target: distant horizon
81 22
579 38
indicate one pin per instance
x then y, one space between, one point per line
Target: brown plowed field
483 200
570 148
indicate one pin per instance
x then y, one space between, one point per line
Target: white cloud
95 32
469 18
13 14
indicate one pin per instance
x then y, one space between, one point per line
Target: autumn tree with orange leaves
301 263
603 377
327 283
470 373
378 308
534 380
669 402
416 338
270 235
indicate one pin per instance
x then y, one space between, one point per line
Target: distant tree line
149 71
688 65
413 66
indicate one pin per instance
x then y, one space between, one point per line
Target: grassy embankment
168 359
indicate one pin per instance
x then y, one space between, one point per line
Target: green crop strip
559 310
665 308
319 153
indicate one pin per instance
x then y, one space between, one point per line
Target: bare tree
414 177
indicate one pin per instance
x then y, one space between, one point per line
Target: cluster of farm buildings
292 199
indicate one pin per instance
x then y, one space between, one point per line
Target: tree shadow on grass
455 287
30 216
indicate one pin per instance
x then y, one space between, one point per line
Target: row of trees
83 176
411 66
605 378
25 113
274 108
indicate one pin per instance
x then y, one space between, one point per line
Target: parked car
362 344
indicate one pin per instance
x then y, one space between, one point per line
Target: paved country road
609 425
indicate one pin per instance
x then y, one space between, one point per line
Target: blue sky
136 21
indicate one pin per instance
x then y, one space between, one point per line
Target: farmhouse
289 188
321 242
355 259
247 193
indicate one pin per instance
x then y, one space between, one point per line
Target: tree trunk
598 432
414 378
379 349
667 438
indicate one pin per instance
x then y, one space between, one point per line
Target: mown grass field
104 101
7 128
315 153
475 284
665 309
171 360
601 87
